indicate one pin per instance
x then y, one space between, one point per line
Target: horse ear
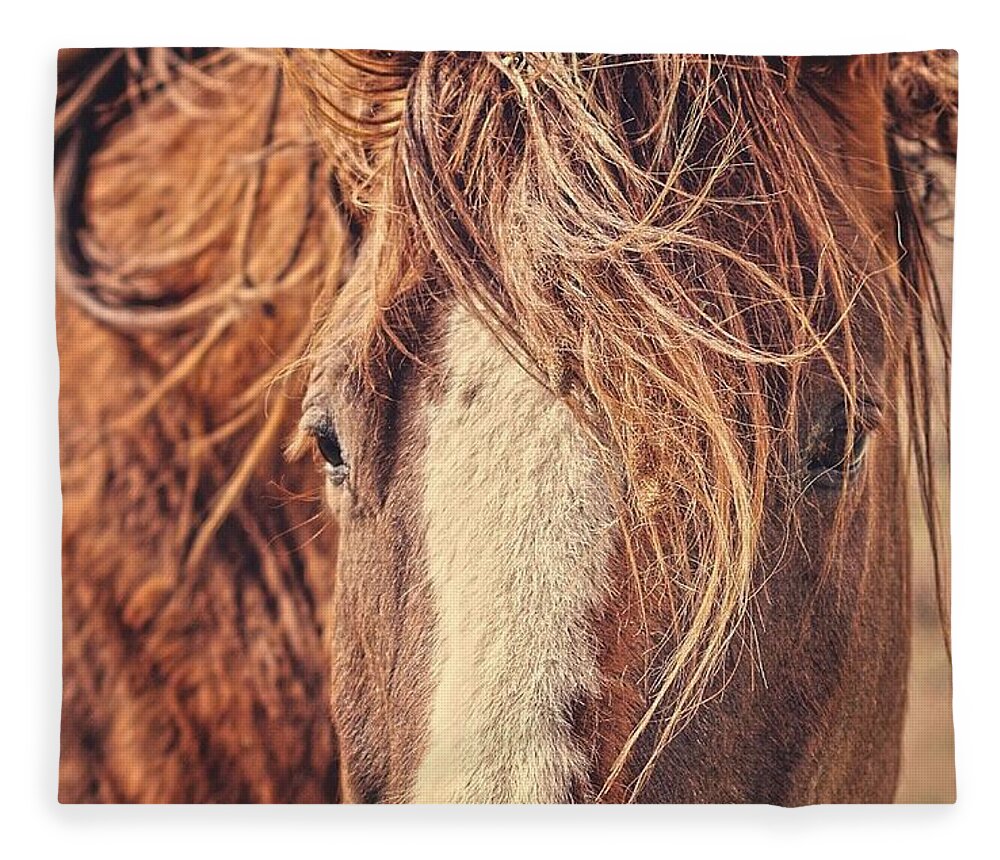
353 102
852 91
848 86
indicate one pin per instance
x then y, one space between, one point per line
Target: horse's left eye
329 449
837 457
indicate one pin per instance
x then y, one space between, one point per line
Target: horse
615 370
616 412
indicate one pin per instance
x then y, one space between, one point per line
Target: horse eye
328 446
831 462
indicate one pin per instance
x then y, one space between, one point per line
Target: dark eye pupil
831 454
329 448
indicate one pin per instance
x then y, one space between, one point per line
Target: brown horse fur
193 243
194 229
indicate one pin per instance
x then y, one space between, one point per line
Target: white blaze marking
518 537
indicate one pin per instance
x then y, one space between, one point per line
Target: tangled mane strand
563 197
922 100
354 103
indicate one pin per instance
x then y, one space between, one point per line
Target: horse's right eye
329 449
836 454
831 462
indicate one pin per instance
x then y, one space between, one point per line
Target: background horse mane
550 192
194 225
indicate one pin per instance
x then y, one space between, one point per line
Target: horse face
491 638
473 558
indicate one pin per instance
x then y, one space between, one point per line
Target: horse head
617 404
